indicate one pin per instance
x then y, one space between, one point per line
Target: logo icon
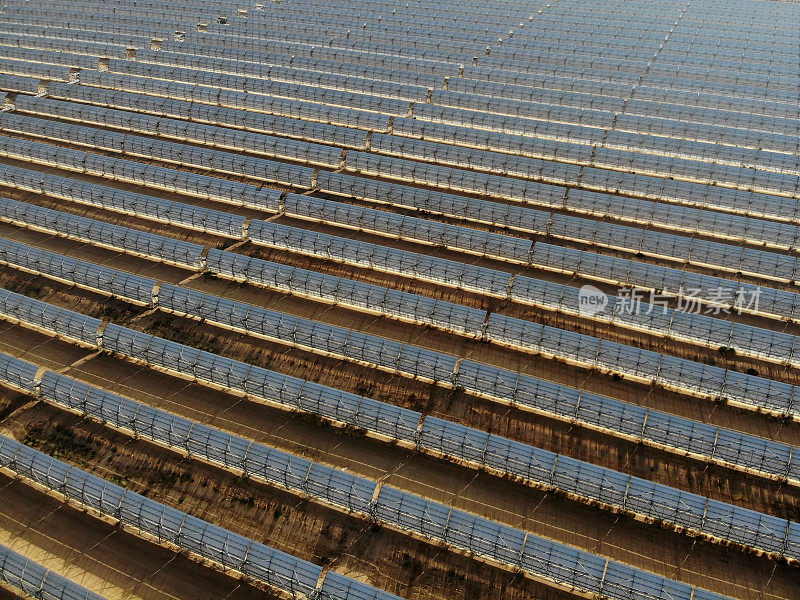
591 300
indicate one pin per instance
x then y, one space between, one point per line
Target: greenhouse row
192 184
484 97
153 519
34 69
689 377
618 418
750 98
491 382
199 113
358 118
81 273
680 374
695 328
62 59
540 557
34 580
589 482
160 177
698 107
424 299
616 236
728 200
104 234
768 65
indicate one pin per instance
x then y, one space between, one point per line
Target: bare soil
348 544
635 459
373 554
552 515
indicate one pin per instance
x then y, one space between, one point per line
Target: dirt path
345 543
102 557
